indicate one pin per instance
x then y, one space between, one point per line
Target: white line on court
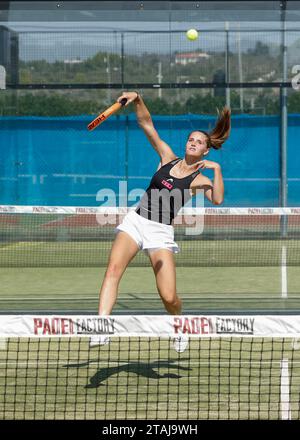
285 390
284 289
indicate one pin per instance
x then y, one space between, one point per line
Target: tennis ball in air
192 34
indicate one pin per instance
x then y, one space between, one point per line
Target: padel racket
106 114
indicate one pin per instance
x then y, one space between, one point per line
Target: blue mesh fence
56 161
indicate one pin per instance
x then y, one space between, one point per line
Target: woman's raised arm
145 122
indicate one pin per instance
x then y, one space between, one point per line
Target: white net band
147 326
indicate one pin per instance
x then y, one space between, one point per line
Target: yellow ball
192 34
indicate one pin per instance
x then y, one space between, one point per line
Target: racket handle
106 114
123 101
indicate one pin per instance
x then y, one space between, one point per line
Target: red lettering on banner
205 326
37 324
54 326
177 325
71 327
193 326
64 326
46 327
186 326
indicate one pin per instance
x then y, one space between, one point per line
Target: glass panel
84 54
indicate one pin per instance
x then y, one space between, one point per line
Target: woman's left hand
130 96
208 164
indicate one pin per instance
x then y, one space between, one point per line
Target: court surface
202 289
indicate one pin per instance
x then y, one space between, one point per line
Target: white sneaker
99 340
181 343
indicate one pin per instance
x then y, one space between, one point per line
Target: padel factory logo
213 325
193 326
44 209
9 209
217 211
240 326
85 210
68 326
257 211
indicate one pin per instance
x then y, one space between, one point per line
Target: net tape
26 209
146 326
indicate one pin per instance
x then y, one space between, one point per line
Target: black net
145 378
82 237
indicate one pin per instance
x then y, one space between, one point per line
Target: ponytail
222 129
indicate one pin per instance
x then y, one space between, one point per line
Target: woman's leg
123 250
163 264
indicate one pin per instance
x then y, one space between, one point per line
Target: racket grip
106 114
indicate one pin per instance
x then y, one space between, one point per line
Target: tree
260 49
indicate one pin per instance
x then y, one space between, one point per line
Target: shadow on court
147 370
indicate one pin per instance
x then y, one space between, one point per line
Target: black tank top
166 195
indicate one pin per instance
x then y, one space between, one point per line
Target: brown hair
221 131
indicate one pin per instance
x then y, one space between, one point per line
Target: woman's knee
170 300
114 270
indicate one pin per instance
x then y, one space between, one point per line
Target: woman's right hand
130 96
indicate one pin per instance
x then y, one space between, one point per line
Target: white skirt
148 235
